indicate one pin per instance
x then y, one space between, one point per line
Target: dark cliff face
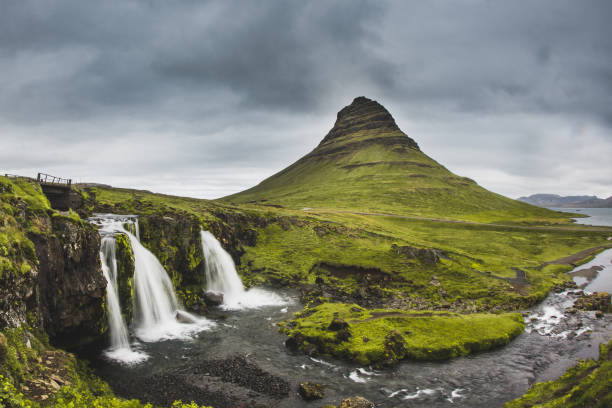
174 239
365 114
70 281
50 276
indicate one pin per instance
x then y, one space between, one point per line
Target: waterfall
116 324
156 310
157 313
221 276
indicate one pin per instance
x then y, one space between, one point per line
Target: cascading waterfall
221 276
120 348
156 310
157 313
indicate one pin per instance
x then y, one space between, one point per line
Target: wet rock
562 287
356 402
595 301
338 324
213 298
310 350
599 314
294 342
311 391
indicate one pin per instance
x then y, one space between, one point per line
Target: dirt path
578 256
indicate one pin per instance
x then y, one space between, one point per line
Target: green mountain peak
366 163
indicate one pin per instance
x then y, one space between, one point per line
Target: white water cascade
221 276
157 314
120 348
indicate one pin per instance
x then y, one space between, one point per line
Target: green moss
11 398
21 363
391 335
588 384
125 274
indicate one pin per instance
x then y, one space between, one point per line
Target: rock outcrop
51 275
365 114
70 282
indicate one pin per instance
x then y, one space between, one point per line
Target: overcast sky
205 99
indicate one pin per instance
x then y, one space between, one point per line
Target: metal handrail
49 179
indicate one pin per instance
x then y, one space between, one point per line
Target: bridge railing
49 179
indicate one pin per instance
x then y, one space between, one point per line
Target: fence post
38 178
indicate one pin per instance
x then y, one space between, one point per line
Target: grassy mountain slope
366 163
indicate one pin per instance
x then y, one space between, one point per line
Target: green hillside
366 163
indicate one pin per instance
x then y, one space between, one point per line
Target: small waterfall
116 324
221 276
157 313
120 348
156 310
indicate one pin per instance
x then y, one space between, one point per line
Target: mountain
366 163
554 200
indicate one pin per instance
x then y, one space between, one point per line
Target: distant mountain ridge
555 200
366 163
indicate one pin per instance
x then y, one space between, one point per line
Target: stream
551 343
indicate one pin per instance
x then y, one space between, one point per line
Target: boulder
213 298
595 301
338 324
356 402
311 391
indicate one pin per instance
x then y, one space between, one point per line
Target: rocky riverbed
243 362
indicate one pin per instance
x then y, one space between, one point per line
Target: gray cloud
210 97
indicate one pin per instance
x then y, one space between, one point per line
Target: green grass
588 384
292 243
21 204
477 257
127 201
383 335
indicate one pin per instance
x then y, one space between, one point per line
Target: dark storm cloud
222 94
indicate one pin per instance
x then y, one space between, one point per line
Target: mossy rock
395 346
311 391
356 402
125 275
599 301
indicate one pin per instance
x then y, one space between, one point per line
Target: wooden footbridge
57 189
